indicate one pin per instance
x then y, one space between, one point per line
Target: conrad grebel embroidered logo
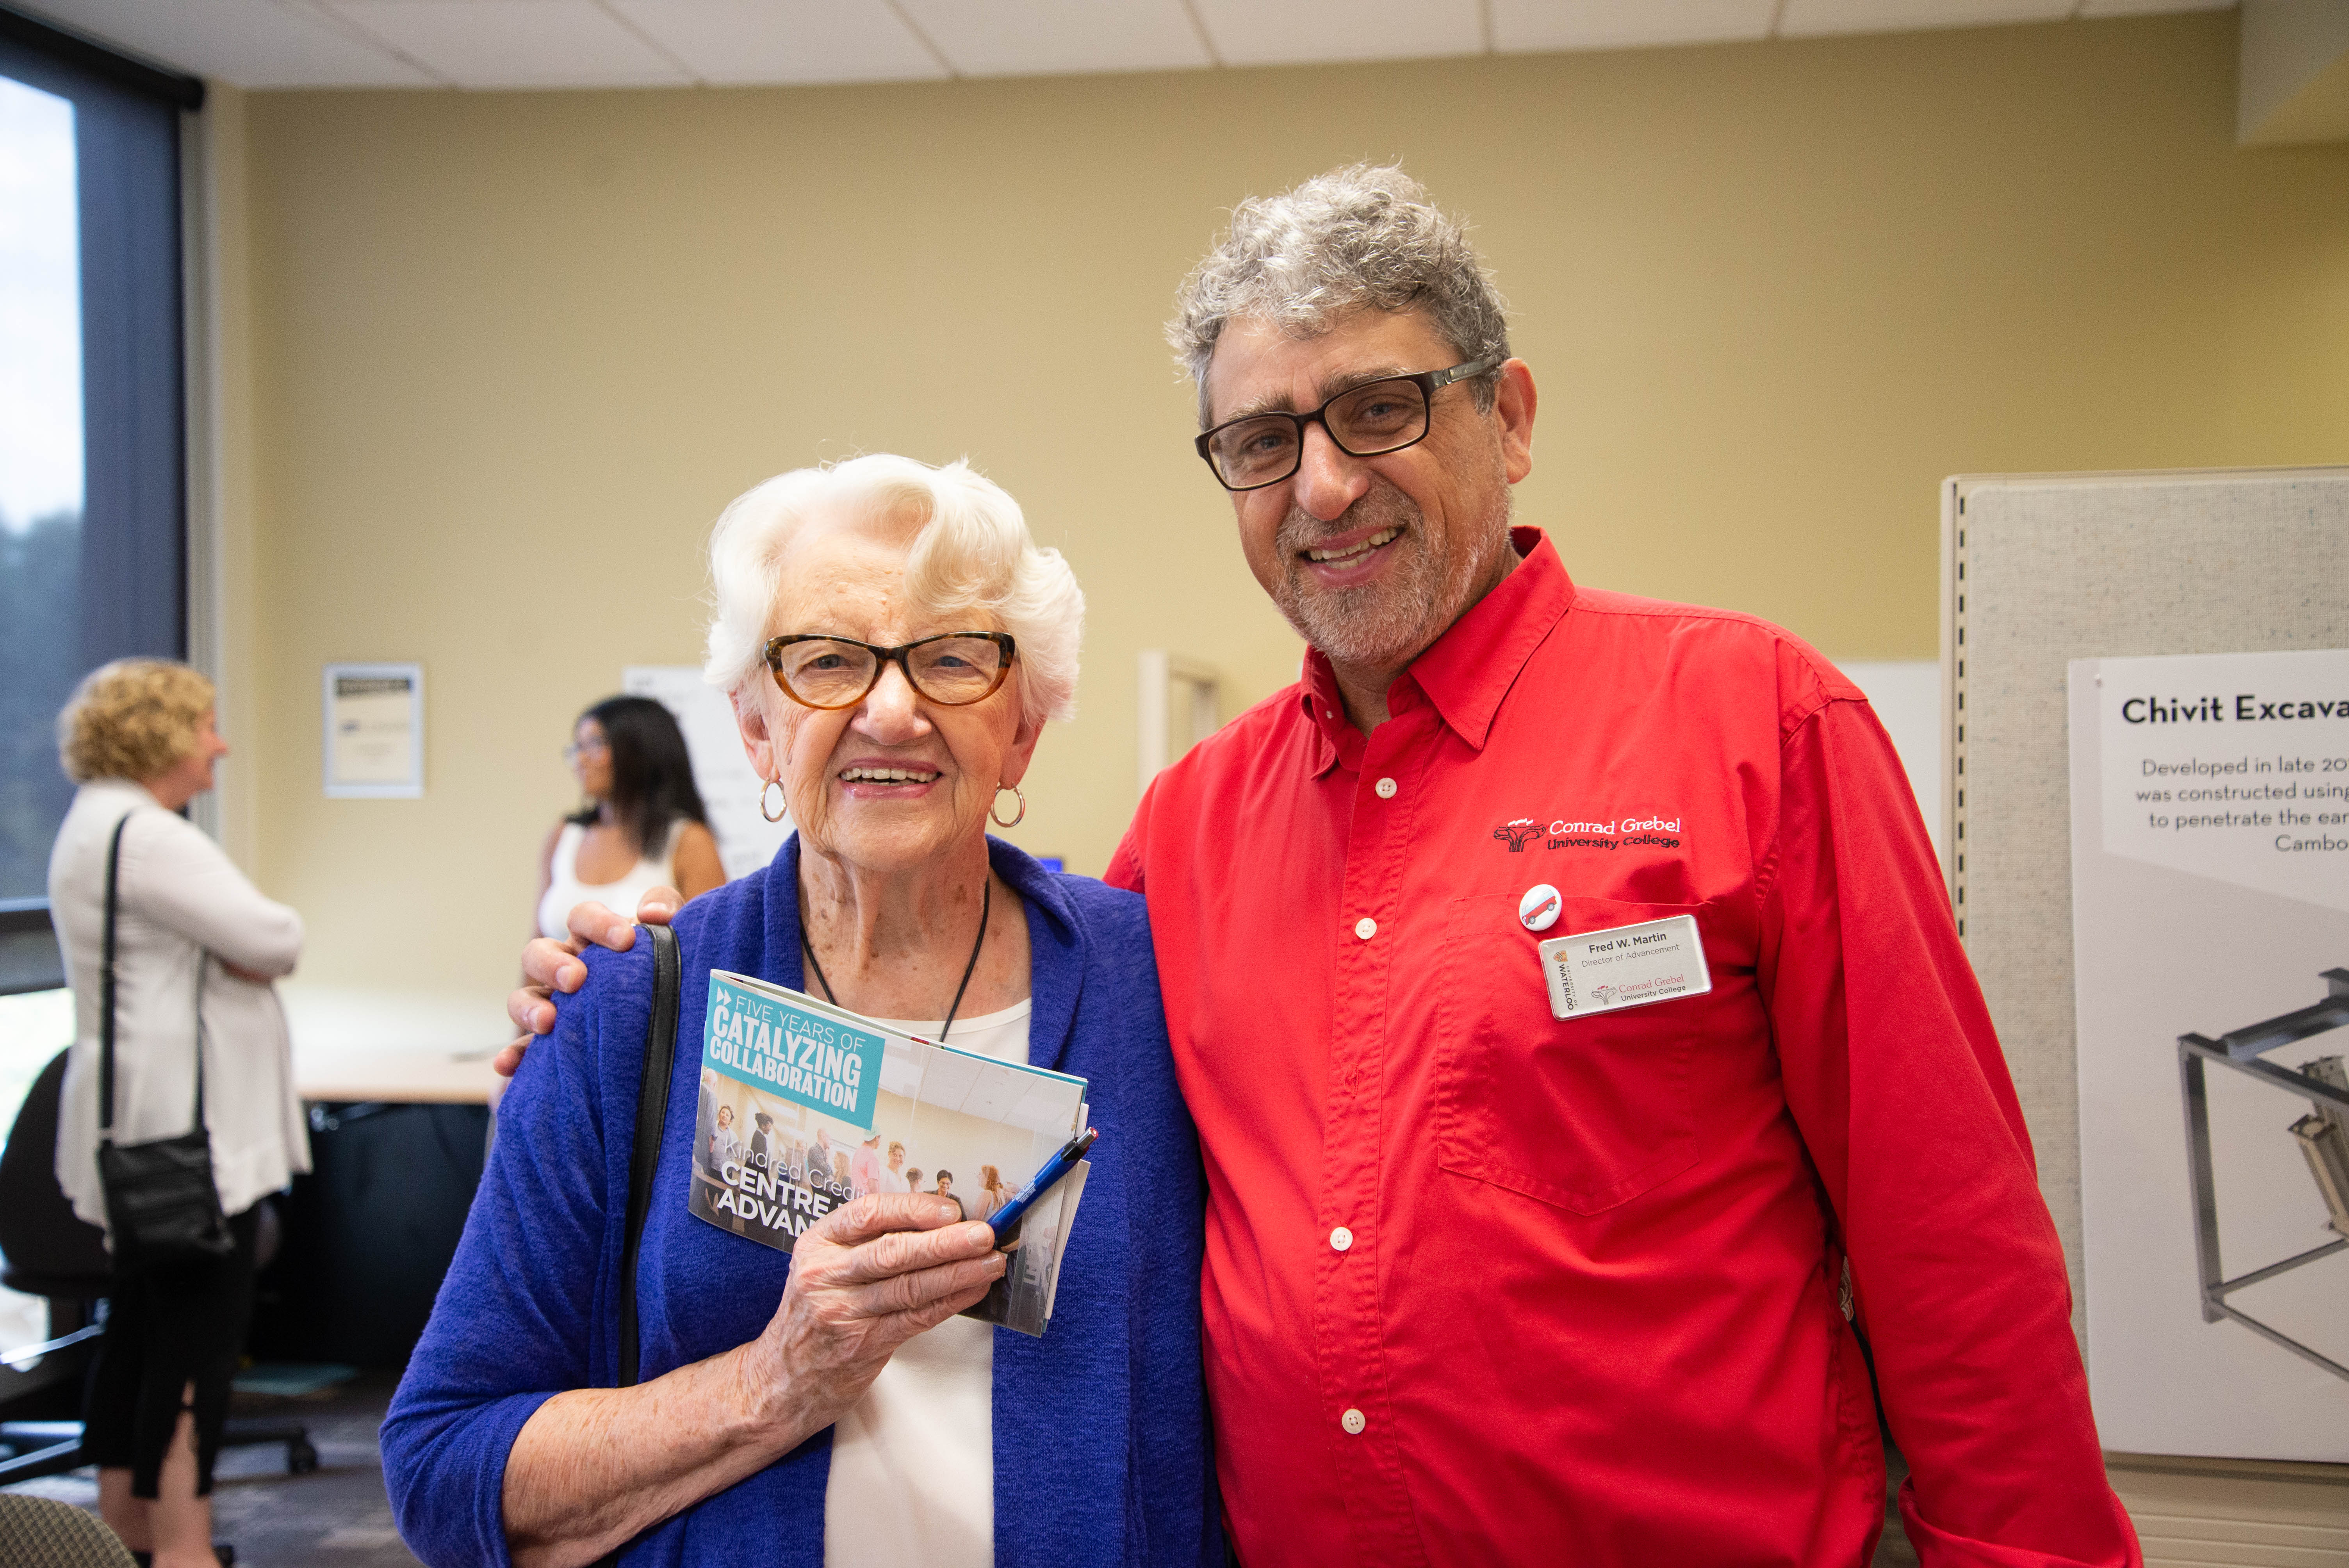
1518 833
1626 830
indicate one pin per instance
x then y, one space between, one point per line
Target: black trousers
165 1329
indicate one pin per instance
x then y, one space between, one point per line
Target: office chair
50 1252
42 1532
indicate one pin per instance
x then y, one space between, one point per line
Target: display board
729 788
2040 571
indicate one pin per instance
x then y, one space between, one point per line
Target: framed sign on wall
372 733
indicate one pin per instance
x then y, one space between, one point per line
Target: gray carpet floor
334 1517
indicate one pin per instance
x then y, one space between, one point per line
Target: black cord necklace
986 908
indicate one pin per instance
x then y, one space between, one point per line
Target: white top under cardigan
179 896
912 1464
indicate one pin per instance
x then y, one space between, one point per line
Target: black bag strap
106 992
644 1152
106 1001
652 1112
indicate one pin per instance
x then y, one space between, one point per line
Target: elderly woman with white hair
894 643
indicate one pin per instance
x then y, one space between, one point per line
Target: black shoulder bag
162 1207
644 1152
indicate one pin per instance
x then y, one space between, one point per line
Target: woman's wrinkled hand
549 966
864 1279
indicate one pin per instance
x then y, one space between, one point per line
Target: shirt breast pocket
1583 1113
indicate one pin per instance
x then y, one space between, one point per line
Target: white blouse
178 897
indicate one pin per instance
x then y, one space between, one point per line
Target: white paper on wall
1906 697
729 788
373 731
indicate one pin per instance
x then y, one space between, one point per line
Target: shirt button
1385 787
1366 928
1341 1239
1353 1421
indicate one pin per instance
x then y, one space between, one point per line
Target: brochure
806 1105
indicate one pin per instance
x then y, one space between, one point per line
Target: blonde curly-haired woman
195 948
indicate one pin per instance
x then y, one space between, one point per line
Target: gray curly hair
1364 236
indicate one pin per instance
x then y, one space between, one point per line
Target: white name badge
1600 971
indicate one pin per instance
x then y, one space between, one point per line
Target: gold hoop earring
997 801
773 816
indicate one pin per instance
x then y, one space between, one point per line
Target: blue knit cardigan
1100 1441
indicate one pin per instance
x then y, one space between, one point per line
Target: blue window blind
93 503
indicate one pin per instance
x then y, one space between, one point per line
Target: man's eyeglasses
954 668
1362 421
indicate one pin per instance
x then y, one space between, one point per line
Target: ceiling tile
784 40
2150 7
1039 38
1809 17
514 43
1291 32
247 43
1524 26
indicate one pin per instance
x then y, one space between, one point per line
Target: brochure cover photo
804 1106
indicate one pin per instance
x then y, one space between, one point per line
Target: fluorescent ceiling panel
1811 17
249 43
1526 26
1048 37
606 43
784 41
515 42
1305 32
2150 7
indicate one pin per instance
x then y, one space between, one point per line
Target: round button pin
1538 909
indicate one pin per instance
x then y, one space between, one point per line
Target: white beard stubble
1384 626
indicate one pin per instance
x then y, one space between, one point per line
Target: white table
406 1047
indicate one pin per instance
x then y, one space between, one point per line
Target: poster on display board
730 786
2209 805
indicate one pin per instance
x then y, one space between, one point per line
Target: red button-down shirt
1485 1287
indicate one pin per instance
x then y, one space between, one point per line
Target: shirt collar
1464 673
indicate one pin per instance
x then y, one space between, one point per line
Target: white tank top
620 897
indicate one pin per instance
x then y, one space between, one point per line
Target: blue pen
1053 1170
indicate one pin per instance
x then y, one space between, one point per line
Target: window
93 514
93 532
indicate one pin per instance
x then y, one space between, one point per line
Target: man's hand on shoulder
549 966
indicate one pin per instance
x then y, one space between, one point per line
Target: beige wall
225 614
510 353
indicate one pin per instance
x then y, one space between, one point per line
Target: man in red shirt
1517 1257
1489 1284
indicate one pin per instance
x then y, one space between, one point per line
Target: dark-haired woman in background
643 826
